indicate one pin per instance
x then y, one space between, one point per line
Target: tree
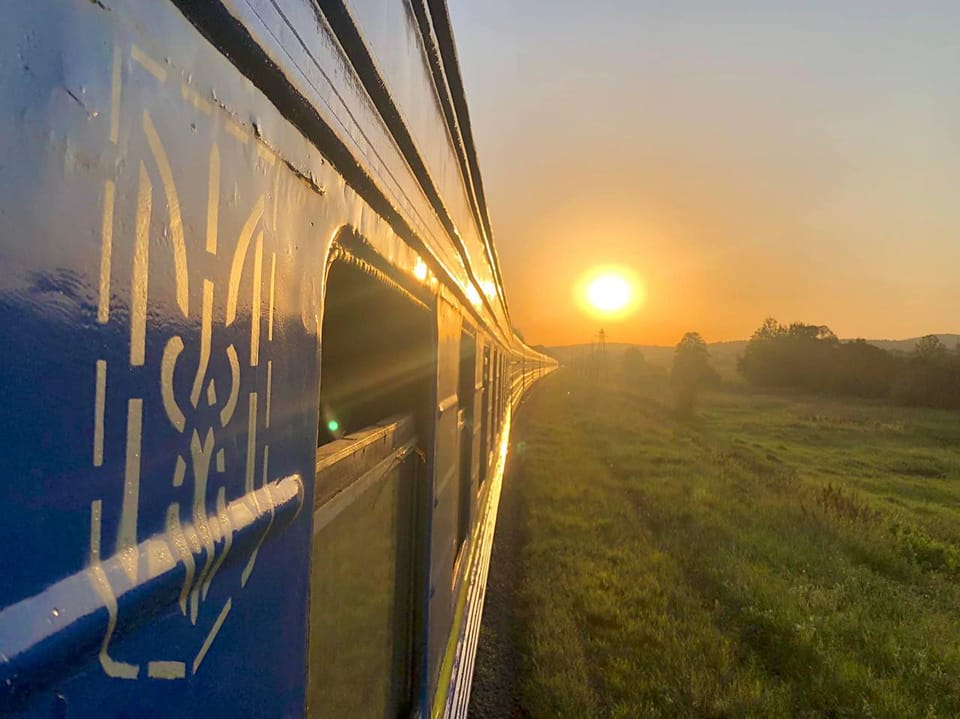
800 356
770 329
929 347
691 371
762 360
636 370
862 369
930 376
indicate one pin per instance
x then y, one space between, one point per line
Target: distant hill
724 355
950 340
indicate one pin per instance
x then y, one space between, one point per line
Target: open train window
378 352
378 364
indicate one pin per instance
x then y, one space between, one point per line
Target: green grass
773 556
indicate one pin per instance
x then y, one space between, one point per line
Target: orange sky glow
798 159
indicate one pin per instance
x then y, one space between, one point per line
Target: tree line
811 358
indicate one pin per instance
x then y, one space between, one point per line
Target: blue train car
257 368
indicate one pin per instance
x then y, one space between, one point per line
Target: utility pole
596 364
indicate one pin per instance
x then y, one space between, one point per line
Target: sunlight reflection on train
473 295
420 270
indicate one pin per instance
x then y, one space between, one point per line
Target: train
257 366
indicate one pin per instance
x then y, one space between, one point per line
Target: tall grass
770 557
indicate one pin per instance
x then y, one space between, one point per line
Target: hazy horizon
955 336
798 160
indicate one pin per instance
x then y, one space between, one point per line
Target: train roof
377 88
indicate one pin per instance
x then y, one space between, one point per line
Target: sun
610 292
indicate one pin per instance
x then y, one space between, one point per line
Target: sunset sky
795 159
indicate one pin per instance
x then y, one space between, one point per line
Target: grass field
773 556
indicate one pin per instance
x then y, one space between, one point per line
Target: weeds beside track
772 556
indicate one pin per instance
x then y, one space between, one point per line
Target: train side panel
161 298
168 222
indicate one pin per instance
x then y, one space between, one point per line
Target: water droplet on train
60 706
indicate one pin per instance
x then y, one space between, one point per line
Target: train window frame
500 402
352 254
389 445
466 410
485 412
